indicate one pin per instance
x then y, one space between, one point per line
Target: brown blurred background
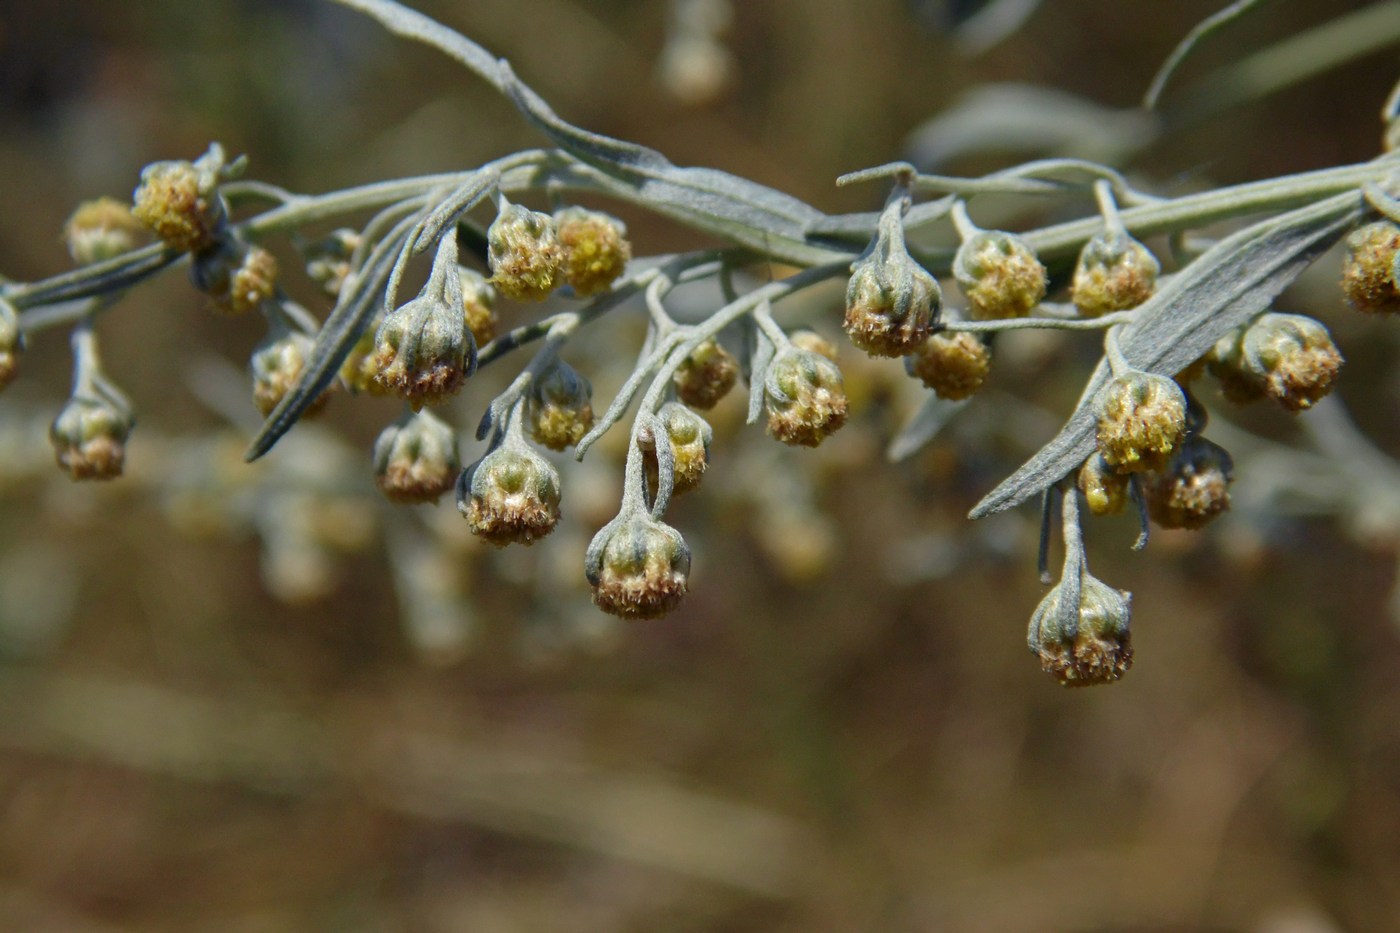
256 699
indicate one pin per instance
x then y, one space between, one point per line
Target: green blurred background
256 699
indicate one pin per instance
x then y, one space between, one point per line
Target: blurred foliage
840 731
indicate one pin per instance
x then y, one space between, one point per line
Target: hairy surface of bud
999 275
954 364
89 438
1193 489
706 375
510 496
1115 272
100 229
1369 270
527 262
891 300
638 567
1142 418
416 460
560 409
595 247
423 351
805 397
1092 645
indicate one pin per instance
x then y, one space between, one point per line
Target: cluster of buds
1371 271
999 275
1288 357
511 495
328 260
805 397
560 407
892 302
416 460
423 351
531 254
638 566
1115 272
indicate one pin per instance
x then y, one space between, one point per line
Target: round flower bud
478 305
637 567
277 364
805 397
1115 272
177 202
1288 357
416 460
1142 418
1369 270
1105 490
510 496
89 437
1091 646
560 407
1193 489
891 300
100 230
810 340
423 351
999 275
953 364
358 371
689 437
328 259
595 249
527 262
11 342
706 375
238 280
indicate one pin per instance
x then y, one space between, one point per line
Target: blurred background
256 698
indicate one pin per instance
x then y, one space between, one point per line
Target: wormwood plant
1138 435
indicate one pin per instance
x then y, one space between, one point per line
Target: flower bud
891 300
100 230
595 249
1290 357
806 339
237 279
277 364
328 259
1369 270
1105 491
689 437
706 375
89 437
416 459
999 275
358 370
1193 488
1142 418
423 351
11 342
510 496
478 305
560 408
1091 646
805 397
527 262
1115 272
178 201
637 567
953 364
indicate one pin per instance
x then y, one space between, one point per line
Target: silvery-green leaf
931 418
1231 282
